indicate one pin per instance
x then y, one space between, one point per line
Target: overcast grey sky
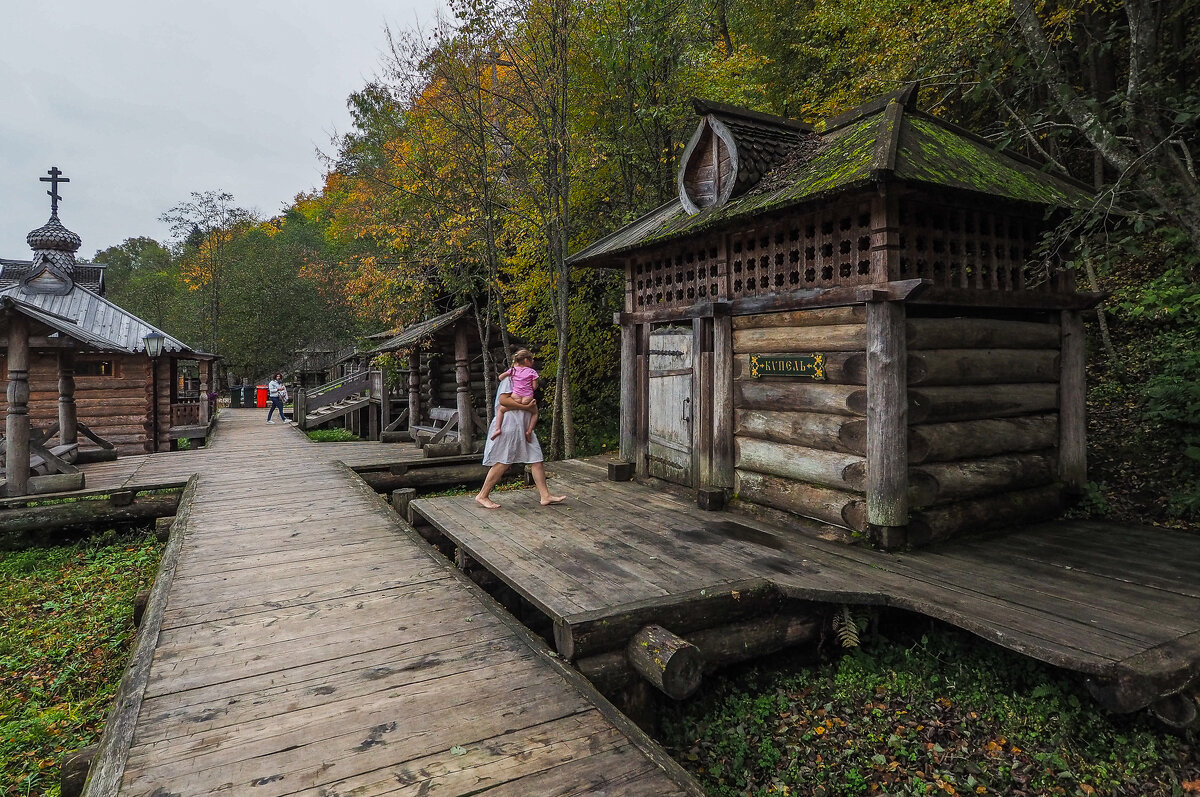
141 102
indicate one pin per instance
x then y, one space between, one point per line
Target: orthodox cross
54 179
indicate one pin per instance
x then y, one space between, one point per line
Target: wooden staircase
333 400
338 409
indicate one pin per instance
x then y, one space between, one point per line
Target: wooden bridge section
1118 603
302 640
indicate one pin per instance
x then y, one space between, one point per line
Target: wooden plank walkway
176 466
1113 601
309 643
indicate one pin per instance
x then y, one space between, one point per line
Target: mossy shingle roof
880 141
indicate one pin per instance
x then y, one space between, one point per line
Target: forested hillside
514 132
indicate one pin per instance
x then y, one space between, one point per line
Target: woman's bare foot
486 503
550 499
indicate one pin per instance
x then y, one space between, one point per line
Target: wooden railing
312 399
185 414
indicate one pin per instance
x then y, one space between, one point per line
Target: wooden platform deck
302 640
1118 603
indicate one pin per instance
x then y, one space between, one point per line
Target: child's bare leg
533 419
499 418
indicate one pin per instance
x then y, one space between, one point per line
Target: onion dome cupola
54 247
731 151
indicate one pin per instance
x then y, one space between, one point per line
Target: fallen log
719 647
84 514
672 664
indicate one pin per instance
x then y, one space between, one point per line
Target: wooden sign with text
803 366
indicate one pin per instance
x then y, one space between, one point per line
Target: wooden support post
722 402
162 528
1072 407
620 471
670 663
401 499
641 398
414 393
702 401
885 236
462 378
887 423
74 772
16 456
629 400
68 429
205 381
139 605
385 405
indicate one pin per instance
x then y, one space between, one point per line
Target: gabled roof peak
721 109
906 98
731 150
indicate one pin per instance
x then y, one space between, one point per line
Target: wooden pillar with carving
462 376
68 423
414 392
16 455
205 380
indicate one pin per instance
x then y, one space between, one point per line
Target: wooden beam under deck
1115 602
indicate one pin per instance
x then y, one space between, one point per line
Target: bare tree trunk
1150 155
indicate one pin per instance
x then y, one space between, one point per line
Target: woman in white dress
512 447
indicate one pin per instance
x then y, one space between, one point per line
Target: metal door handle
687 405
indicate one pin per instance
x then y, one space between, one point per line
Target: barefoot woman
510 447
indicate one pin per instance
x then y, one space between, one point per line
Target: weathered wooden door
671 405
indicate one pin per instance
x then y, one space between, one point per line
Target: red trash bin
262 396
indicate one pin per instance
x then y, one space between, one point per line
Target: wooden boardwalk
301 640
1117 602
174 467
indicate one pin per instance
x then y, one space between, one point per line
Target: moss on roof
865 148
931 152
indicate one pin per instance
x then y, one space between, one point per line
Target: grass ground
332 435
66 618
942 713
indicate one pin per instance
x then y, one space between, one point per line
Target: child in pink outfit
524 382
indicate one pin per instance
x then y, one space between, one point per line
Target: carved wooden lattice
813 250
953 246
964 247
679 276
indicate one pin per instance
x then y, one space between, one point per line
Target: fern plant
845 628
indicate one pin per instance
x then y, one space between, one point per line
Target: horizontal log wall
983 414
115 407
794 450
